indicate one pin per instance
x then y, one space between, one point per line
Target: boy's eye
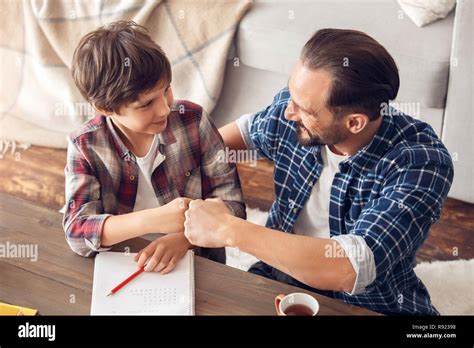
145 105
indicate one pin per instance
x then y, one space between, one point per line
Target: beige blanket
39 103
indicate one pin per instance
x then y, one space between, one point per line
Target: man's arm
259 131
232 137
394 226
303 258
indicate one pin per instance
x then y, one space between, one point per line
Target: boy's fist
169 218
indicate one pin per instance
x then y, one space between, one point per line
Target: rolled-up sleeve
361 258
243 123
261 131
84 216
395 225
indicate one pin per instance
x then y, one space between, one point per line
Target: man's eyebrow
297 105
310 112
300 107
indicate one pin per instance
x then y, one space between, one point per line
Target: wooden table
59 282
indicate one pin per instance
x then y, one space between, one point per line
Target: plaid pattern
390 192
102 174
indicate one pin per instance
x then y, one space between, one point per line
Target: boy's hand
179 204
170 215
163 254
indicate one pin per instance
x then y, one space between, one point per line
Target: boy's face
149 114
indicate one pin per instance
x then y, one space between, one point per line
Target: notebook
150 293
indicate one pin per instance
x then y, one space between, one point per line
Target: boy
133 169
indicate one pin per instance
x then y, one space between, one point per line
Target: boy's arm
88 229
219 174
84 215
169 218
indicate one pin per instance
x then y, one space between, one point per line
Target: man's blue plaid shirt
390 192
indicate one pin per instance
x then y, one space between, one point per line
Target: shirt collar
368 156
166 137
364 159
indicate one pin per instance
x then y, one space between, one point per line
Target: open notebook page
150 293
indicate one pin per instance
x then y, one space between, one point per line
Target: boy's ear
103 111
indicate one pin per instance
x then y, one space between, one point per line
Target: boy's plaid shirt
390 192
102 174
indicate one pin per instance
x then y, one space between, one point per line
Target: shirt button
310 184
132 177
295 210
187 173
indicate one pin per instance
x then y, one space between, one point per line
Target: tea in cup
296 304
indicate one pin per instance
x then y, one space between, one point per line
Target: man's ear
356 123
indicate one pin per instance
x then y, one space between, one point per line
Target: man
358 184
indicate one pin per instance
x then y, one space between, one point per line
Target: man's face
149 114
315 124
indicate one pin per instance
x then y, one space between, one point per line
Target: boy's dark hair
112 65
364 74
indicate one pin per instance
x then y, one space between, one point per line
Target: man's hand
163 254
207 223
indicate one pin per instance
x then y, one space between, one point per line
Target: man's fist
207 223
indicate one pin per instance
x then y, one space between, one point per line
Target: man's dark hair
364 74
112 65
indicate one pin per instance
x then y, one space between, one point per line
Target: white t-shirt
146 197
313 220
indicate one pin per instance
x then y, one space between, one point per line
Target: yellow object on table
7 309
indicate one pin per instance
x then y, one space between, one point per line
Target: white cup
284 302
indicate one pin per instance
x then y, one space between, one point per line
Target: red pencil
126 281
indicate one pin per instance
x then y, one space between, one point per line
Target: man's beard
334 135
